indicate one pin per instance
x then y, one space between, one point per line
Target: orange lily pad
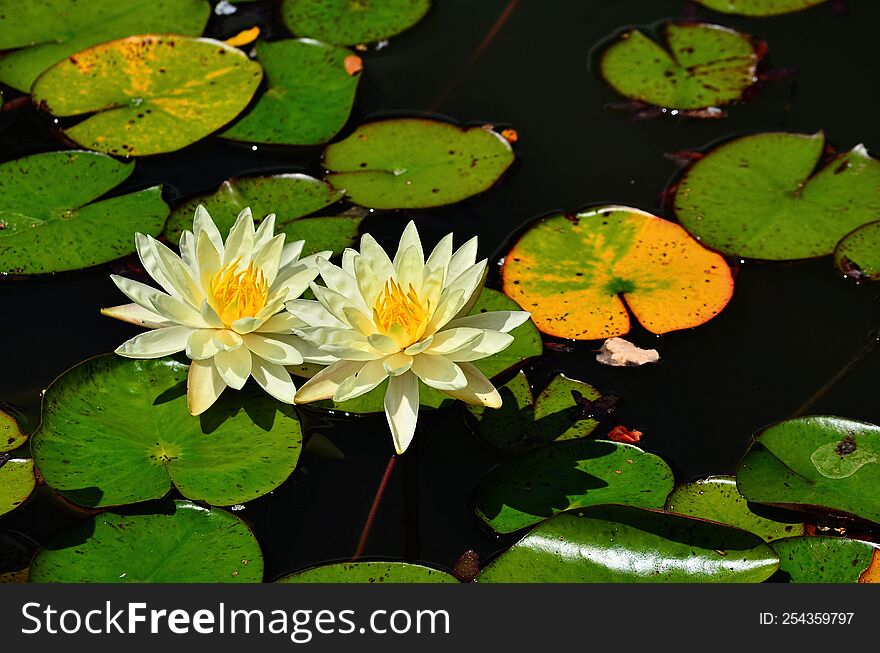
578 274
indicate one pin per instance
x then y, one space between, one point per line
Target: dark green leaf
826 560
369 572
350 22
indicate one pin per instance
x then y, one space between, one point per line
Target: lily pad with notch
818 464
574 273
308 97
857 255
759 8
695 66
183 543
536 485
370 572
150 93
41 33
52 221
716 498
617 544
769 196
409 163
820 559
351 22
17 480
117 431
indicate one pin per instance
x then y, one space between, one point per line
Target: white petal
138 315
450 340
334 302
203 386
312 353
420 346
340 282
402 409
343 343
240 242
178 311
464 257
369 283
438 372
359 320
268 259
234 366
376 258
265 232
283 322
278 348
479 391
348 257
227 340
490 344
312 313
201 345
441 255
410 269
361 382
383 343
188 253
294 280
397 364
209 260
324 384
291 252
209 315
450 304
203 224
139 293
274 379
148 252
409 238
503 321
156 343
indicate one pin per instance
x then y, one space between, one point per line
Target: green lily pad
522 423
47 31
857 255
185 544
717 499
697 66
813 559
370 572
759 7
627 545
537 485
148 94
410 163
12 435
16 483
51 221
350 22
117 431
308 97
289 196
526 345
762 196
815 463
573 273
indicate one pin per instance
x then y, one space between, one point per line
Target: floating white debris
619 352
224 8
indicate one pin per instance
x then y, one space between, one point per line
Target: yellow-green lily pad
370 572
759 7
857 255
350 22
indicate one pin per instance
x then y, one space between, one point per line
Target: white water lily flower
223 305
406 319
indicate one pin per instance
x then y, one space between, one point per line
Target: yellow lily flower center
404 309
238 294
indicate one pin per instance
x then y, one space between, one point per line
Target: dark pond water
775 351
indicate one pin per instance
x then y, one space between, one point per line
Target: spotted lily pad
150 93
526 345
350 22
815 463
574 273
50 220
370 572
308 97
763 197
17 480
117 431
541 483
858 254
288 196
826 560
12 435
523 423
697 66
185 543
628 545
410 163
759 7
47 31
717 499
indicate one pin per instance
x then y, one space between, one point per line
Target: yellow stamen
238 294
404 309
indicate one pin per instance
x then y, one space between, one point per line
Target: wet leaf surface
812 559
184 543
117 431
51 221
409 163
694 66
308 97
717 499
289 196
537 485
349 23
815 463
759 7
12 435
574 273
857 255
370 572
148 94
617 544
16 483
47 31
763 197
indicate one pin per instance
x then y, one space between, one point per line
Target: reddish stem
368 525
